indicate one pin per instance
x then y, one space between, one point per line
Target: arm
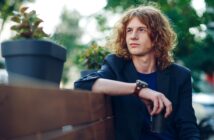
103 81
112 87
149 96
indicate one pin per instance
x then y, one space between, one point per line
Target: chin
136 54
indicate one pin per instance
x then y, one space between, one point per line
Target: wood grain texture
28 111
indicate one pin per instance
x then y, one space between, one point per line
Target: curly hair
161 34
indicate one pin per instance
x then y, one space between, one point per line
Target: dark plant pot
86 72
34 59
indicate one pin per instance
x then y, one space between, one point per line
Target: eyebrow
140 27
136 27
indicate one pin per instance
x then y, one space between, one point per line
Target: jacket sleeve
87 82
185 118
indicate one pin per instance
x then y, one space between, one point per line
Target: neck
144 64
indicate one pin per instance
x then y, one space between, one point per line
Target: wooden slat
24 111
99 130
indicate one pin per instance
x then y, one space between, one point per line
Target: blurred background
78 25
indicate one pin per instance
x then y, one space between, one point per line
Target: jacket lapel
130 73
163 81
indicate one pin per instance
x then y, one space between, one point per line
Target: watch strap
139 85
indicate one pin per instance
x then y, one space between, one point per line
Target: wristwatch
139 85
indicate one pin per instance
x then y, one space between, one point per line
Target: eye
142 29
128 30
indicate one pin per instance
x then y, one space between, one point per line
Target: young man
142 41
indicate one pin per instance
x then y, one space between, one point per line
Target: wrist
142 92
139 86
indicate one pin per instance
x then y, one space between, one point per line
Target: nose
134 35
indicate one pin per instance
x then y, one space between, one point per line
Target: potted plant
28 55
91 58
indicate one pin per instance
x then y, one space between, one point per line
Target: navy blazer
174 82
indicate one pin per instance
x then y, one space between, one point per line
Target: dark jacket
174 82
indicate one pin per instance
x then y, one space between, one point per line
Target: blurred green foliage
91 58
1 65
68 33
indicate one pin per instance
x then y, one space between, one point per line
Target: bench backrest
34 113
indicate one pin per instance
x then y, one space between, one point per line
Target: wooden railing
53 114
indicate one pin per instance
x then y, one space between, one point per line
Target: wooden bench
53 114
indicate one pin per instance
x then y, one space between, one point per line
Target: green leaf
16 19
40 33
37 22
32 13
23 9
15 27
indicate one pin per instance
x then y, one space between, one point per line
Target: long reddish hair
161 34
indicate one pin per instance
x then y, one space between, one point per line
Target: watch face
141 84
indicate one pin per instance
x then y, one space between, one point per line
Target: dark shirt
151 79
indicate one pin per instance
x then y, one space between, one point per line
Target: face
137 38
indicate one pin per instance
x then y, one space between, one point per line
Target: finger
160 105
168 106
155 106
148 105
149 108
168 111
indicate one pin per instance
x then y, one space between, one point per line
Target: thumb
149 105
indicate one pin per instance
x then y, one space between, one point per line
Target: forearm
112 87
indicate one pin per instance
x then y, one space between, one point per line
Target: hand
155 102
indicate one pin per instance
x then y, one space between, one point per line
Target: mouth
133 45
